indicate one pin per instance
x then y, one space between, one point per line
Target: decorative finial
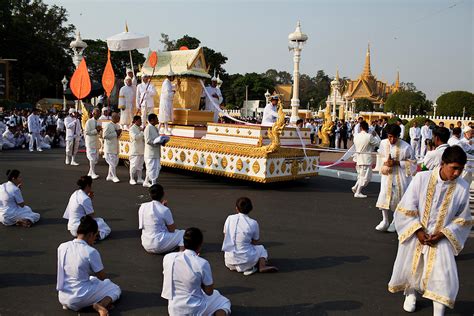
337 74
367 72
126 26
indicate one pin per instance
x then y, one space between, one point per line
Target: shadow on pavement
299 309
298 264
465 256
26 279
231 290
124 234
22 253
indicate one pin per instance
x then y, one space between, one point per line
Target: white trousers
364 175
35 138
213 303
415 145
72 146
423 148
145 111
112 160
93 157
136 166
153 167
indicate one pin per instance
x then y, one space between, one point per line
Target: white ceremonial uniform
126 104
10 211
454 141
184 273
165 114
60 127
402 131
436 206
365 144
111 147
415 136
239 253
144 100
76 284
357 129
426 134
92 143
34 127
137 151
152 154
73 135
153 217
432 158
213 103
393 185
270 115
8 140
79 205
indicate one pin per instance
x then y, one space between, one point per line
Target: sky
431 42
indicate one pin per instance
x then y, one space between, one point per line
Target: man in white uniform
111 134
365 144
433 158
152 151
270 113
402 128
137 150
34 127
357 126
145 94
159 233
92 130
126 103
73 136
426 135
187 281
433 220
397 171
131 75
455 138
213 98
165 114
415 136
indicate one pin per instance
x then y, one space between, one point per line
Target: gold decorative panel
195 158
256 167
209 160
240 164
182 156
224 162
170 154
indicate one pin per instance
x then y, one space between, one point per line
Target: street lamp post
296 42
64 83
434 110
353 105
77 46
410 111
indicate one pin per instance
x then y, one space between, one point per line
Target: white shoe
94 176
382 226
251 271
65 307
410 303
167 132
39 149
67 162
146 184
132 182
115 180
73 163
354 189
109 178
360 195
140 181
391 228
31 150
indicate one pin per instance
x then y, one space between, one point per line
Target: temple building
367 86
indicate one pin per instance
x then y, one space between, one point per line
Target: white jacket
111 144
92 136
137 141
365 144
151 150
73 128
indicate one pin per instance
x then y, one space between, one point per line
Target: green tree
38 36
453 103
400 103
408 86
364 105
320 91
96 58
256 85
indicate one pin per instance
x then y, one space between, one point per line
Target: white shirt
402 131
415 133
126 98
137 141
357 129
34 125
73 128
111 144
153 219
432 158
426 133
80 204
166 102
183 275
151 150
212 103
76 262
92 135
60 127
365 143
10 197
145 96
270 115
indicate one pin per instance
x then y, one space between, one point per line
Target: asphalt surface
331 260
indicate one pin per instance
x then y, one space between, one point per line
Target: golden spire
337 74
367 72
397 81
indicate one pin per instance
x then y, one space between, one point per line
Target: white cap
72 110
467 129
129 70
214 78
170 73
145 75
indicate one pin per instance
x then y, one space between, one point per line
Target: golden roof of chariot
189 62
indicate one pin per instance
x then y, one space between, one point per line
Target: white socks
385 215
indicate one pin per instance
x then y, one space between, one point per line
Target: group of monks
431 212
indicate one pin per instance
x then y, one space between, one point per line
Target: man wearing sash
213 98
433 221
92 130
397 171
145 93
126 103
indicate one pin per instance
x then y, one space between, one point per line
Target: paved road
332 261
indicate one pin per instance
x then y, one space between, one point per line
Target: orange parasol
80 82
108 77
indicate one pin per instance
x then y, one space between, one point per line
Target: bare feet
100 309
267 269
24 223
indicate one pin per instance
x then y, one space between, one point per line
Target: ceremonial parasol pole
152 60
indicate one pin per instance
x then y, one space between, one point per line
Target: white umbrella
127 41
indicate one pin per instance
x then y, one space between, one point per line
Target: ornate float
247 152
